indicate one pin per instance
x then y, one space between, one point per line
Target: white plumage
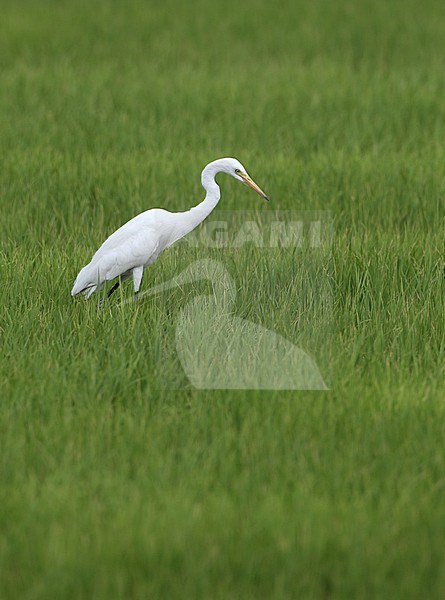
137 244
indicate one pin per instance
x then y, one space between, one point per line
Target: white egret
137 244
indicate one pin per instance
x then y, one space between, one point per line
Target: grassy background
113 488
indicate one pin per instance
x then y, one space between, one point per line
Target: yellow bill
256 188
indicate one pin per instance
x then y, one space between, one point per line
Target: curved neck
213 193
193 217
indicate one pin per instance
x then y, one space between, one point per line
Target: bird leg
137 277
114 288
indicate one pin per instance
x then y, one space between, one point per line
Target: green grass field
118 479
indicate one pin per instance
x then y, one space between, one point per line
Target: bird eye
237 171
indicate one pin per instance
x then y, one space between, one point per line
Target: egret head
238 172
232 167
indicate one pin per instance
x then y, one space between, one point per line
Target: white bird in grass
138 243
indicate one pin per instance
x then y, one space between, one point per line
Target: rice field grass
118 479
